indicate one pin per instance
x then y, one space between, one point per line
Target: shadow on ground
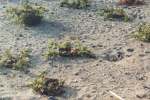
54 28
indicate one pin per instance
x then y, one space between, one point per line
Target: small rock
90 15
88 95
93 46
17 38
147 52
100 45
141 55
141 95
113 55
27 71
20 76
130 50
97 65
146 86
20 35
100 60
142 45
52 98
67 66
140 17
5 73
128 55
77 73
141 77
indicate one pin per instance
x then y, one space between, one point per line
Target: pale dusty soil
85 79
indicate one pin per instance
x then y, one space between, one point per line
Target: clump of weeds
68 48
26 14
78 4
20 61
47 86
143 32
114 14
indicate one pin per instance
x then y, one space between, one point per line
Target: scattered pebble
130 50
113 55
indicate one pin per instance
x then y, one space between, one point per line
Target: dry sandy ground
85 79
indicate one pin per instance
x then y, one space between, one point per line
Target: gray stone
113 55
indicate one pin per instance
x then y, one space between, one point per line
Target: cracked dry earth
86 79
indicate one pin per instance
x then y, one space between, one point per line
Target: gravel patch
87 79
